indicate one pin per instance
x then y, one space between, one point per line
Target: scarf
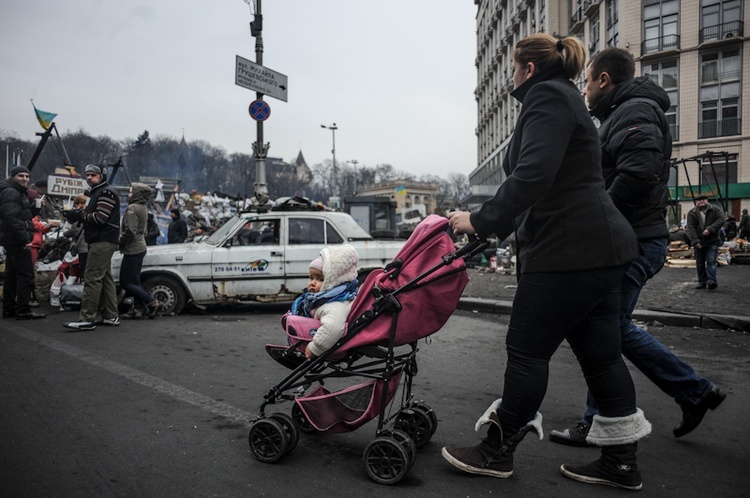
307 302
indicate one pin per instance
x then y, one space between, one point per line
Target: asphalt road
161 408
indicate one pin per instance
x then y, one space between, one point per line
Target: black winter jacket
554 192
636 150
713 223
16 227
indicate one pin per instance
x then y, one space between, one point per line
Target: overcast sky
396 76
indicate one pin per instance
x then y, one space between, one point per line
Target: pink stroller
410 299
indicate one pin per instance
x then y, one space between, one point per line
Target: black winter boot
492 457
616 467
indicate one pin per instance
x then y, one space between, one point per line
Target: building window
660 31
577 8
725 170
720 19
613 33
542 15
720 94
665 74
594 34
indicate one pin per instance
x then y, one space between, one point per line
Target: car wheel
168 292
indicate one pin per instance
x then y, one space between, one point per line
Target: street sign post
261 79
259 110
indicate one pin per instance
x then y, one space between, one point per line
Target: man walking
16 233
636 148
703 224
101 229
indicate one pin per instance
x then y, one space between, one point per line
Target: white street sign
261 79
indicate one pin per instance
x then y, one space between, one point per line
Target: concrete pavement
681 319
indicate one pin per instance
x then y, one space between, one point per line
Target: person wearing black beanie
16 231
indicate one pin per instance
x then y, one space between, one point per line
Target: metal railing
722 31
666 42
723 128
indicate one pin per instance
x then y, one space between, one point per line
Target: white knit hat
339 265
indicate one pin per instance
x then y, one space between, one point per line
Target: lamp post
333 129
355 163
260 150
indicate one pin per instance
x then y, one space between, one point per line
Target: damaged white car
254 257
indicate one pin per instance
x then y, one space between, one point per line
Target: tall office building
695 49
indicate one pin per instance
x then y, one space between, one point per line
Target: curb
708 321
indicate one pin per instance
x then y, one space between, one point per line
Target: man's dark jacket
713 223
16 227
636 150
554 194
103 201
177 232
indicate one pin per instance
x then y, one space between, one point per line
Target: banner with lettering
66 186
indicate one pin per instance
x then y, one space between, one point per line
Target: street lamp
355 163
333 129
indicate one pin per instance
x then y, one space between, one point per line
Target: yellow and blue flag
45 118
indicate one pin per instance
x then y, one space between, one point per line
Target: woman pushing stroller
574 247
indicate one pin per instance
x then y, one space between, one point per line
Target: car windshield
352 231
219 235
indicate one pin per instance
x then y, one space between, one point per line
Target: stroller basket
347 409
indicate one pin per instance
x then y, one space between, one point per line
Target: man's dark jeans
672 375
19 279
705 263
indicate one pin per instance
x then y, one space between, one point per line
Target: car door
251 261
307 235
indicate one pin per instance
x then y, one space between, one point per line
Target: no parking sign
259 110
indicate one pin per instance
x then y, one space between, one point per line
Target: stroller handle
475 246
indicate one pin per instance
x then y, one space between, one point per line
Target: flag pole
67 159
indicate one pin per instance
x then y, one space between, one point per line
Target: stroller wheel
303 424
416 423
268 440
386 460
290 427
429 411
407 443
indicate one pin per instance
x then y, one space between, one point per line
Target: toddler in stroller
328 298
408 300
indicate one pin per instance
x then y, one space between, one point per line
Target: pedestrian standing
16 233
133 248
177 232
703 224
573 249
152 230
744 228
636 149
101 228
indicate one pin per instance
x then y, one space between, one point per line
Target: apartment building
695 49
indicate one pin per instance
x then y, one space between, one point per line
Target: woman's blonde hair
545 50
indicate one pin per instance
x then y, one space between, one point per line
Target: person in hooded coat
133 248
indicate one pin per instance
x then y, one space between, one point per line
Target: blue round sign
259 110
